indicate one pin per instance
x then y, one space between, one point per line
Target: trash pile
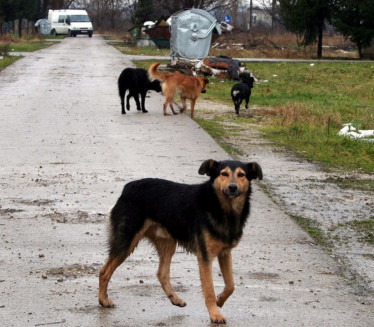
223 68
351 131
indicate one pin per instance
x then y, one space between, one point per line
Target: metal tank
191 34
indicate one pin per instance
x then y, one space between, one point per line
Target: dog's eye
224 174
241 174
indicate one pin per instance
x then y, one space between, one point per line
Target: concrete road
65 154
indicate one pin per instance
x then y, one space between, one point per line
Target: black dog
137 82
206 219
242 91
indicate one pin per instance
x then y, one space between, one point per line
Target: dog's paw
107 303
218 319
145 110
181 110
175 300
220 301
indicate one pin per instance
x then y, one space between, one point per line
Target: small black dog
242 91
206 219
137 82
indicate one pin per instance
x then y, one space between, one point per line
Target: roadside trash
223 68
351 131
159 33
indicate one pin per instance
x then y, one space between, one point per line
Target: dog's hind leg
193 101
117 256
184 104
128 101
169 101
237 102
246 102
105 274
166 249
136 98
143 95
225 263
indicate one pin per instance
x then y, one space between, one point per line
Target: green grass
6 61
220 135
314 230
364 228
302 107
28 43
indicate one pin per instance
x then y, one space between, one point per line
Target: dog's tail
154 74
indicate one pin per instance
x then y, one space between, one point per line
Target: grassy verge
314 230
302 107
6 61
364 228
28 43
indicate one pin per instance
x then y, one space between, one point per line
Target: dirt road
65 154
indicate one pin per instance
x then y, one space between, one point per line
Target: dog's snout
233 188
203 91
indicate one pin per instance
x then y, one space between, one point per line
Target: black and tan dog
206 219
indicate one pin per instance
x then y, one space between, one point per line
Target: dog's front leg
205 267
225 263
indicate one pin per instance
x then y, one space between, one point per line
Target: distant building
260 17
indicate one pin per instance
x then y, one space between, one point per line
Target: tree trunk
359 48
20 28
320 35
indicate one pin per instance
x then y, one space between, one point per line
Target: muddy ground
65 154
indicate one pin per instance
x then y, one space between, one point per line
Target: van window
79 18
61 18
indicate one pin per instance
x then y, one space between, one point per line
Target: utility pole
250 15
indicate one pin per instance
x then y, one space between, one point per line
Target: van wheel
54 33
69 33
90 34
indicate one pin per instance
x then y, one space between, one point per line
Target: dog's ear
207 166
254 171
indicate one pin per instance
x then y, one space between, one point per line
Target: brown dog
189 87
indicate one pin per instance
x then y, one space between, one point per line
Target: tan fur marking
221 184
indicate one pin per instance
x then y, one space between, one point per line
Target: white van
70 22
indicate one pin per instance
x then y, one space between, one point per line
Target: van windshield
79 18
